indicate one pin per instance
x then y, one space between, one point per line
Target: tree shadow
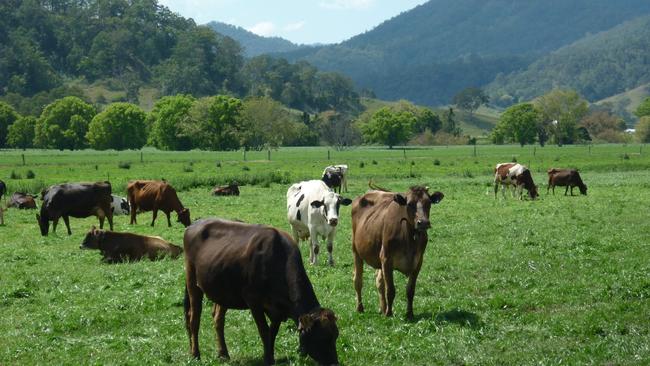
460 317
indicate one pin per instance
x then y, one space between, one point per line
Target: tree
337 129
470 99
264 123
603 126
8 116
427 120
212 123
120 126
388 127
517 124
165 121
643 109
449 123
562 110
643 129
63 124
21 133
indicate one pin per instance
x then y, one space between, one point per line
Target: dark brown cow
333 180
118 247
243 266
3 189
77 200
506 174
389 231
565 177
231 189
22 201
154 195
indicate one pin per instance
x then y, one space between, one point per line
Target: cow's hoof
360 308
224 356
331 263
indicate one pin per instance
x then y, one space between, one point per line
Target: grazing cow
22 201
119 247
243 266
231 189
153 195
342 170
76 200
119 205
313 211
506 174
565 177
389 231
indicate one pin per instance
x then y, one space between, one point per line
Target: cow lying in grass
120 247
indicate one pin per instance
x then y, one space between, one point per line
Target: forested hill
599 66
253 44
432 51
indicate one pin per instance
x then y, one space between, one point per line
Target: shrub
30 174
514 159
626 156
374 162
14 175
188 169
245 168
218 164
436 162
362 164
122 165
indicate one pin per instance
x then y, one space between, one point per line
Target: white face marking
330 208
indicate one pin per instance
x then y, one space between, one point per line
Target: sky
300 21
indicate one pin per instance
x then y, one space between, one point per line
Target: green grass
504 282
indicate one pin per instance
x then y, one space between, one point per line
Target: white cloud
346 4
292 27
263 29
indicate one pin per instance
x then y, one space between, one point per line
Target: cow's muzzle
422 224
333 222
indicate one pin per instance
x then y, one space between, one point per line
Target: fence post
328 154
244 154
589 149
404 150
474 150
23 155
141 157
268 155
534 150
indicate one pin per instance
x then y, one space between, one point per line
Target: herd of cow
246 266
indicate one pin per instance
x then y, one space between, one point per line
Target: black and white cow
120 205
342 171
313 211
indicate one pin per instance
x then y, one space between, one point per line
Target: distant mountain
253 44
599 66
436 49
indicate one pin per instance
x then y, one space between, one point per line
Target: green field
560 280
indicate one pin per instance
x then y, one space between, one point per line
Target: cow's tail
375 187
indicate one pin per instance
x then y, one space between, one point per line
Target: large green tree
265 123
517 124
121 126
388 127
643 109
561 110
63 124
165 122
470 99
643 129
7 117
212 123
21 133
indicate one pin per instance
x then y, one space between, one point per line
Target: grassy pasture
560 280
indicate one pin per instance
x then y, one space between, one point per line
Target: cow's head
418 205
332 179
329 207
43 222
124 204
583 189
184 217
532 192
92 239
318 333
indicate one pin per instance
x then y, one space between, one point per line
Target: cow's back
299 198
145 193
78 199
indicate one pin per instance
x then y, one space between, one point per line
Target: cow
3 189
231 189
506 174
565 177
333 180
76 200
313 211
244 266
342 169
119 205
118 247
389 232
153 195
23 201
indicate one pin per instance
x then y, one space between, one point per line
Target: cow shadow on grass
246 361
460 317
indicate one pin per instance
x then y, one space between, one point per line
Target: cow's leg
496 189
410 289
263 330
345 183
169 222
387 269
313 255
273 333
155 214
110 219
55 222
379 282
219 316
358 277
101 217
134 210
66 220
330 247
566 190
572 190
193 305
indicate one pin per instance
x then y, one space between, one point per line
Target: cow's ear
436 197
317 204
346 202
400 199
305 323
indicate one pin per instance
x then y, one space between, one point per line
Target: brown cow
22 200
506 174
565 177
389 231
243 266
231 189
118 247
154 195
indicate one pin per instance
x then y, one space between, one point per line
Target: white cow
341 169
120 205
313 211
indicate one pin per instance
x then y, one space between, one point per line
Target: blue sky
300 21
